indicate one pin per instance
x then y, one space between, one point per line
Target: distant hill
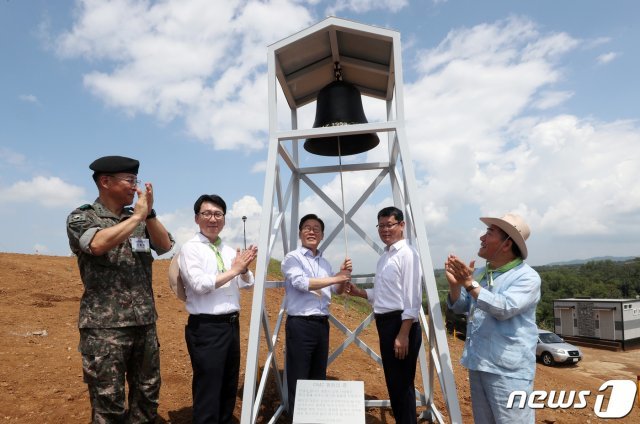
595 259
439 272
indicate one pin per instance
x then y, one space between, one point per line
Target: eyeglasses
209 214
386 226
133 182
316 230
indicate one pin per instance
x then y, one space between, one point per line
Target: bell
340 103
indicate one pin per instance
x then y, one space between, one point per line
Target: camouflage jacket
117 285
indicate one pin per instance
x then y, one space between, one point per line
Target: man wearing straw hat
309 282
501 301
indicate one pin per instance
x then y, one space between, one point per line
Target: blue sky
523 106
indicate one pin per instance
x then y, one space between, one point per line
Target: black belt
387 315
230 318
320 318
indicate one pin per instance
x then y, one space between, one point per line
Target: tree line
596 279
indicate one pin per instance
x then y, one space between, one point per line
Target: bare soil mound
41 374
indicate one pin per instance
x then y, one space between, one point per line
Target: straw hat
515 227
175 281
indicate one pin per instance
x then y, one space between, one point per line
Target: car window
550 338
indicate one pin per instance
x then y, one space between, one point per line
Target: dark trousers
213 342
307 351
399 374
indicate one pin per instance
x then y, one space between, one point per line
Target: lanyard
214 246
489 273
504 268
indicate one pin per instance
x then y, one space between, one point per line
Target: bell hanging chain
344 214
337 71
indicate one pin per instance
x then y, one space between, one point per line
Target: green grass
273 270
356 303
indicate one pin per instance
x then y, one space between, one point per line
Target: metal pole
244 229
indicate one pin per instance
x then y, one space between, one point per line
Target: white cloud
471 87
589 175
596 42
362 6
550 99
259 167
185 59
607 58
29 98
235 228
488 43
11 157
479 114
477 145
549 47
50 192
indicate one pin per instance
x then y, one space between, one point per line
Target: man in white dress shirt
397 298
212 273
309 282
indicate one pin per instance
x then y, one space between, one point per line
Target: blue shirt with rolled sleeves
501 327
298 267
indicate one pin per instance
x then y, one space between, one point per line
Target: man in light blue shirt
309 282
501 337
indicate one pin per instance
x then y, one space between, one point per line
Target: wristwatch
474 284
152 214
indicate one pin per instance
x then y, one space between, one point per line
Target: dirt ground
41 375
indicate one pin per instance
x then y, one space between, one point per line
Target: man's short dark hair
391 211
308 217
212 198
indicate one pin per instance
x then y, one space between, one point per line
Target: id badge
140 244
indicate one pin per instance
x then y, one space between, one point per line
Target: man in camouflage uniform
117 321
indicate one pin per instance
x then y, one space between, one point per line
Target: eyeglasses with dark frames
209 214
386 226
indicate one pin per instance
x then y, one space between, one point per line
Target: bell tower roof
305 61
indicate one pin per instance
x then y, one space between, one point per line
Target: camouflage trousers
109 355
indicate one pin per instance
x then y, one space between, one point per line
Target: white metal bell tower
300 66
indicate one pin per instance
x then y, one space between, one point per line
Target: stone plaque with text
321 401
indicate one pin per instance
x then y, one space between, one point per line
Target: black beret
114 164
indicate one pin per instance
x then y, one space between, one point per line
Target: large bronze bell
340 103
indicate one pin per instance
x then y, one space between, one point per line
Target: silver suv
553 349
